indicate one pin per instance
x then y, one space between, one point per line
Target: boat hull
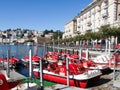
63 80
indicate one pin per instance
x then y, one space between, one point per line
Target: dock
105 83
63 87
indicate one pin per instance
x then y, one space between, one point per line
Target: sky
39 14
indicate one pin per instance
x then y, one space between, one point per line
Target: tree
8 30
3 36
88 35
105 31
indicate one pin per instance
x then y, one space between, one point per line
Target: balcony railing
78 26
104 15
89 23
98 8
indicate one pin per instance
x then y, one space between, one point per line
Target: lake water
20 51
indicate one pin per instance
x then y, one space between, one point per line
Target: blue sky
39 14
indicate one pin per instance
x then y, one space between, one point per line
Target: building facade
96 14
70 29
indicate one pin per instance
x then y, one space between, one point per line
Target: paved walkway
13 75
33 86
63 87
56 87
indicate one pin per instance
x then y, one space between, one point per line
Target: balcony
105 7
85 16
98 9
78 26
89 15
104 15
115 1
93 12
89 23
105 1
81 19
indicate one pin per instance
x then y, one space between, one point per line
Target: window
105 4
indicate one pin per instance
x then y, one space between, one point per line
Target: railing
90 47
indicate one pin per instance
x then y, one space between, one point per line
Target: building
49 35
22 40
70 29
38 33
96 14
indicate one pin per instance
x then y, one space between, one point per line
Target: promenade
77 48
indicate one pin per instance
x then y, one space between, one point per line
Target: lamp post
8 67
58 41
53 44
67 71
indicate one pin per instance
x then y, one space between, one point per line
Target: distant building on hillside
49 35
22 40
38 33
41 40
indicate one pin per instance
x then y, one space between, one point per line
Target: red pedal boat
78 75
12 61
7 85
35 60
110 61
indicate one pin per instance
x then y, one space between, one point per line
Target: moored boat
74 58
12 61
55 56
92 65
110 61
78 75
7 85
35 60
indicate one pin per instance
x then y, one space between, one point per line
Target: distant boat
12 43
29 43
12 61
35 58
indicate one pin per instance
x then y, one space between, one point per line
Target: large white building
96 14
70 28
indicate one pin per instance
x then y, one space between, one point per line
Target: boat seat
62 71
108 57
104 59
